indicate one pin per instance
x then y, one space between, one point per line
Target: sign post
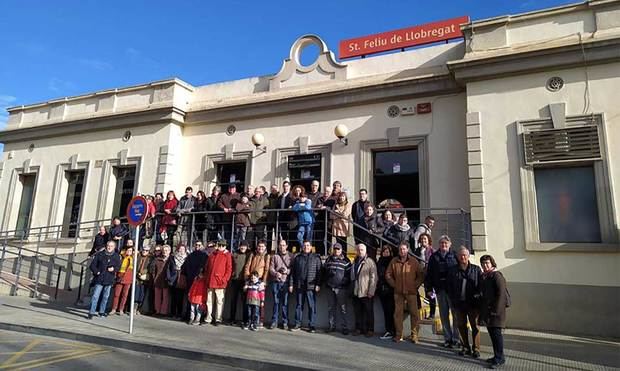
136 214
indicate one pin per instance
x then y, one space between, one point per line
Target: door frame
9 217
210 162
366 172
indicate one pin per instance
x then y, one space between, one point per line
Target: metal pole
57 282
18 268
133 283
80 287
232 233
6 241
190 243
325 233
38 265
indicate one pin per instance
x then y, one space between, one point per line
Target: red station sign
403 38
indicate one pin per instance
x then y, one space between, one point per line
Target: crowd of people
392 261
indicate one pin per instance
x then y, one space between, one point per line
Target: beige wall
444 130
501 103
103 145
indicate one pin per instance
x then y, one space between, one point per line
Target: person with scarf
340 218
177 282
158 273
494 301
143 281
425 241
364 278
124 278
169 220
104 266
386 292
399 232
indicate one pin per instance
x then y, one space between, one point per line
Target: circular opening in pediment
308 54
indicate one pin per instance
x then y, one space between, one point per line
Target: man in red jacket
217 273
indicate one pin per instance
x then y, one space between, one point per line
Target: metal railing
187 228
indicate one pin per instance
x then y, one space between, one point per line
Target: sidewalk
278 349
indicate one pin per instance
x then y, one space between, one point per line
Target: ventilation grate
578 143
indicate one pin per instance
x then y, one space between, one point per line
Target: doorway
231 173
303 169
125 189
25 204
73 203
396 179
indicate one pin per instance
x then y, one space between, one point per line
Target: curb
154 348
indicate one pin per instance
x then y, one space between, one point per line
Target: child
242 219
255 299
197 299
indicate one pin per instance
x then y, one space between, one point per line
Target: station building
516 124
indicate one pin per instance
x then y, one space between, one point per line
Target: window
303 169
565 185
566 203
231 173
125 189
25 204
73 203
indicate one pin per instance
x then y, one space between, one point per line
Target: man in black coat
337 277
358 213
285 201
464 291
305 281
118 233
101 239
439 264
104 266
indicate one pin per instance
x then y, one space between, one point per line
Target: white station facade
518 124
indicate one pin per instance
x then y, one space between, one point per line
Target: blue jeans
95 298
280 302
303 296
445 307
304 232
253 313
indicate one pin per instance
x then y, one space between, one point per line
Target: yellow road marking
42 351
54 359
19 354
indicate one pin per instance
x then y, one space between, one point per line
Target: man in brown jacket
258 262
405 274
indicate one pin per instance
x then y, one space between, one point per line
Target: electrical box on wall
423 108
407 110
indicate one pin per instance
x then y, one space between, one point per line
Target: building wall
104 146
585 284
443 130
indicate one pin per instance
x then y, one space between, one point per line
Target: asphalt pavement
19 351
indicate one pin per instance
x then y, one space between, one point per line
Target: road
20 351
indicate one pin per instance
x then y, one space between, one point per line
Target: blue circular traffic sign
136 211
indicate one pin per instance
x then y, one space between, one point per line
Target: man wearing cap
217 273
228 203
337 277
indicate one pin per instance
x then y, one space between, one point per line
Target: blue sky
53 49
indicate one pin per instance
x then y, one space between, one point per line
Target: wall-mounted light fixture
341 132
258 139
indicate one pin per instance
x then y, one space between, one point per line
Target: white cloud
96 64
61 86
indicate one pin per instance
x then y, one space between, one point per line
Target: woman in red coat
169 220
